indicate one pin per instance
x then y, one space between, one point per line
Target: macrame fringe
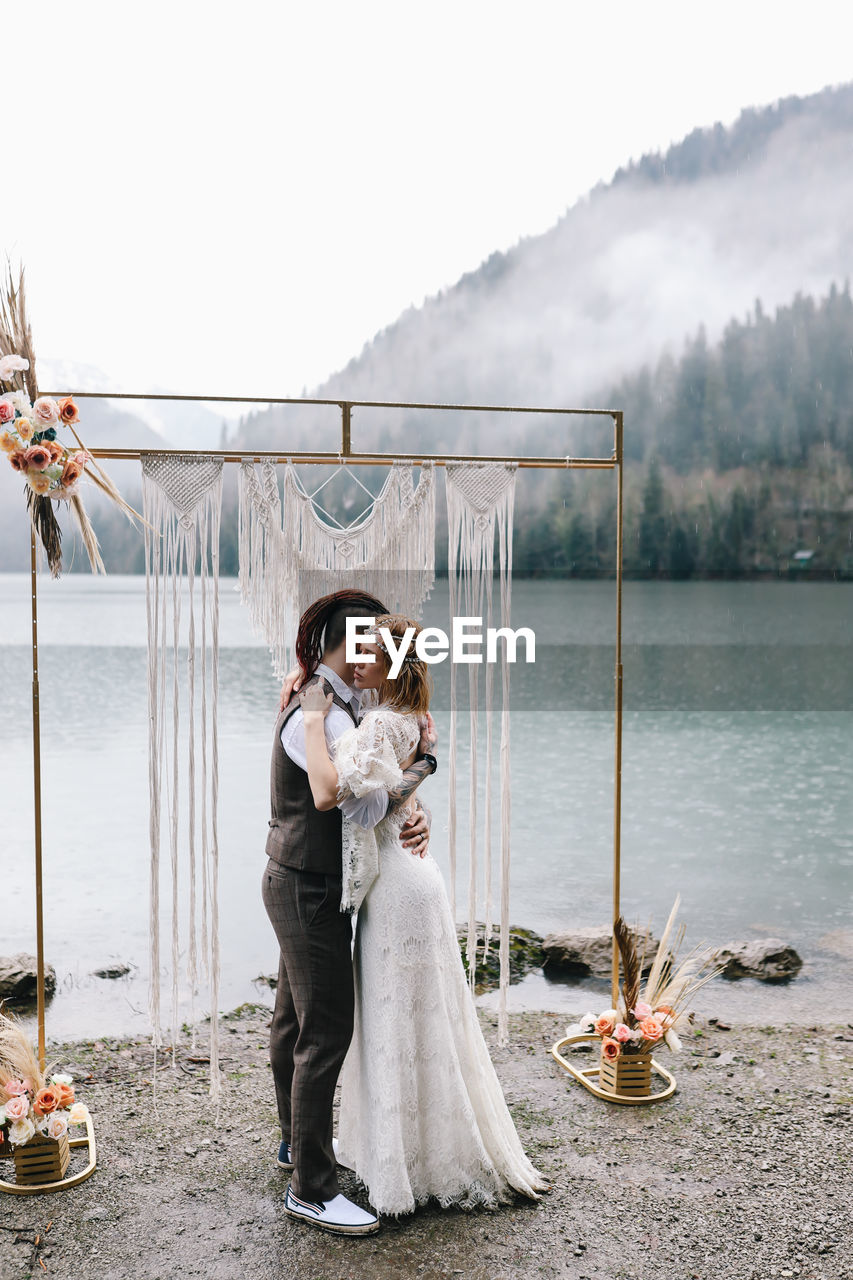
289 556
480 504
182 500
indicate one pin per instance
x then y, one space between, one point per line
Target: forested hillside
739 456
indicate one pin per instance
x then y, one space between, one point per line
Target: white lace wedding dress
422 1111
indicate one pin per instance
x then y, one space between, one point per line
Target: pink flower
18 1108
7 411
622 1033
642 1010
46 412
610 1049
37 457
14 1088
12 364
57 1125
604 1025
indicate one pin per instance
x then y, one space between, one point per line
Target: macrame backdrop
480 503
289 555
182 505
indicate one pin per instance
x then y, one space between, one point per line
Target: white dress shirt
370 809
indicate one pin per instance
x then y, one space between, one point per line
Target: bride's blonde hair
412 687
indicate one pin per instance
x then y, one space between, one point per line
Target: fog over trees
704 292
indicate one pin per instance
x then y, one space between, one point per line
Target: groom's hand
415 831
292 684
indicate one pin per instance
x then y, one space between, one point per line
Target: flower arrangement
48 1110
28 437
645 1019
30 1102
29 426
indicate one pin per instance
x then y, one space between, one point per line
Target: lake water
737 782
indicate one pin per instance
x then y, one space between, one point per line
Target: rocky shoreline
743 1174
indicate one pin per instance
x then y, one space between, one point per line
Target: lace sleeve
368 758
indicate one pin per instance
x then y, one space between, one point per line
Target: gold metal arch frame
613 462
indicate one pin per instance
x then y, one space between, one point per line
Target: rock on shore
768 960
588 952
19 978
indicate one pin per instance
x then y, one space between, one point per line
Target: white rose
61 1079
78 1113
20 1132
57 1125
587 1022
20 400
10 365
2 1116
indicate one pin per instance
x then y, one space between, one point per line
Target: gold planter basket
630 1074
43 1164
41 1160
610 1081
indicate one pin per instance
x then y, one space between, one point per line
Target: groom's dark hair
324 624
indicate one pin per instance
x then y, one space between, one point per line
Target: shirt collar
341 688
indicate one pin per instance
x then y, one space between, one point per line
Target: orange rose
73 468
610 1049
604 1026
8 443
68 411
64 1095
18 459
56 450
651 1030
45 1101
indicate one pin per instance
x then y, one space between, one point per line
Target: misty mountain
760 210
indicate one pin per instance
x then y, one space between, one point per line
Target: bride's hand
292 684
316 703
429 735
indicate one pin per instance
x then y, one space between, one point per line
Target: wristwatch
428 756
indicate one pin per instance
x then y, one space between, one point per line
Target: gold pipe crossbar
359 459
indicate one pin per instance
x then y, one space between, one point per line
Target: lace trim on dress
367 759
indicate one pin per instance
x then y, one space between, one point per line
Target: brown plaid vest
300 835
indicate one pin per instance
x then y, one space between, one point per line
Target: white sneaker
339 1215
284 1159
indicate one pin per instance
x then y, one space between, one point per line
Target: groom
313 1019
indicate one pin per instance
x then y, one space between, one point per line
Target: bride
422 1111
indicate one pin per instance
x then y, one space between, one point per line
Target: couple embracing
422 1114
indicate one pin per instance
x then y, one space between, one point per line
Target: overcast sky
233 198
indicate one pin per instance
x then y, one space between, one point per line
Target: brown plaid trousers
313 1018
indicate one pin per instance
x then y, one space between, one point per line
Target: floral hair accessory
374 638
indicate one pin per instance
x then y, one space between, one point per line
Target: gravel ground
744 1173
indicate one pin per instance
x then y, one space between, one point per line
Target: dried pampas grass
18 1060
674 982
